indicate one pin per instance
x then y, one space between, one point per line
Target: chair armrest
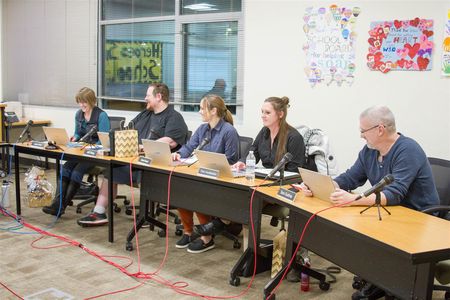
436 208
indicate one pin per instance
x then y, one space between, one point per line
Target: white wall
274 62
419 100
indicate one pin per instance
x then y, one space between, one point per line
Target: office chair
441 174
89 190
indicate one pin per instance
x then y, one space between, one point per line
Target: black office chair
441 174
88 191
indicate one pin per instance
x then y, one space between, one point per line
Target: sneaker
198 246
93 219
183 242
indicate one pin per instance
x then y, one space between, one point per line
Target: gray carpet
40 273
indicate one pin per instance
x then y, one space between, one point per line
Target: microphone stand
279 179
377 204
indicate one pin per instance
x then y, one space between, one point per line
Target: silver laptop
56 135
159 152
217 161
104 140
320 185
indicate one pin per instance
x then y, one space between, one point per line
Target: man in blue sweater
386 152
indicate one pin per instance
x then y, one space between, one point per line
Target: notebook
319 184
217 161
57 136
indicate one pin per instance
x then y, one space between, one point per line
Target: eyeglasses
365 130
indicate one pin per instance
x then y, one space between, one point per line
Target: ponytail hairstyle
214 101
281 105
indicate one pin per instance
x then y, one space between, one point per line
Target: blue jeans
75 171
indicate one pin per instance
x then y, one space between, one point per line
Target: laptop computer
104 140
319 184
57 136
159 152
217 161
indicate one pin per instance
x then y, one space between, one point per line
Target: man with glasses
386 152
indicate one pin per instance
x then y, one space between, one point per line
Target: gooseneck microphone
203 144
388 179
286 158
25 130
88 135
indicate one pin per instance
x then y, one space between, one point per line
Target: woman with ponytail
274 140
277 137
223 138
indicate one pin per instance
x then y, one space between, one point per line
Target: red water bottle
304 278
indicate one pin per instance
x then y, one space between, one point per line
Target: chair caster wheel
178 232
236 281
324 286
177 220
128 212
162 233
129 246
447 296
236 245
126 202
117 209
78 210
358 283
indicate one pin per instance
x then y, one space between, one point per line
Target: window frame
179 20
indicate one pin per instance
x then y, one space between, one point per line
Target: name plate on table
208 172
287 194
145 160
90 152
40 145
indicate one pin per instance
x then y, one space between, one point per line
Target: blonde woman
223 138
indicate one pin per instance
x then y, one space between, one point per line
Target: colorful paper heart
401 63
412 49
414 22
428 33
397 24
422 63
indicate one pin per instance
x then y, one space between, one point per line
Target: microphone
388 179
203 143
25 130
286 158
88 134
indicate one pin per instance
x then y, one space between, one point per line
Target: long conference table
397 254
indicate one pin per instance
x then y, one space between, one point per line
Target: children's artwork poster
330 46
446 48
401 45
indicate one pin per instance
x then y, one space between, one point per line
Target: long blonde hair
214 101
281 105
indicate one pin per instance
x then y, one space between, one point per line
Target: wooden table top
405 229
24 122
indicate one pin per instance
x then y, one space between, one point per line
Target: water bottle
5 194
250 163
304 278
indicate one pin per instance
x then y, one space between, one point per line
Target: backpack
319 156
